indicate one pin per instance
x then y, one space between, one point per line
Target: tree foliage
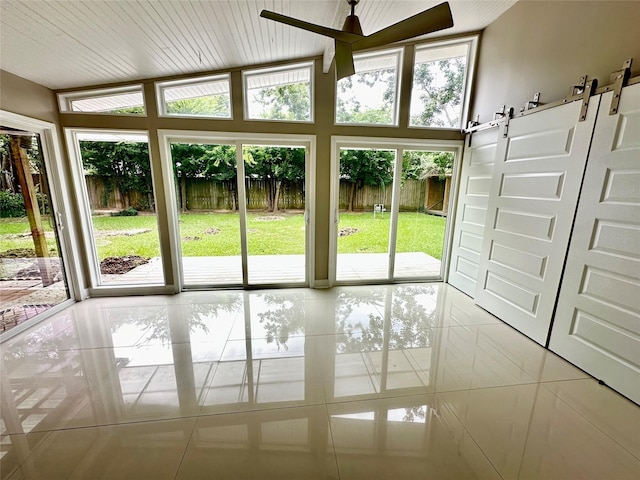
275 166
365 167
439 87
210 106
418 165
285 102
121 165
353 91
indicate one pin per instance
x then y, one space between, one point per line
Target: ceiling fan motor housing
352 25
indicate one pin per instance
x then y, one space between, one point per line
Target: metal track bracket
472 123
509 116
619 80
589 89
532 103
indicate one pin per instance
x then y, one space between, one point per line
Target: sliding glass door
113 171
240 209
364 201
275 213
32 272
390 207
205 181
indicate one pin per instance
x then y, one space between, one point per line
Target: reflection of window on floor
144 387
273 380
366 373
405 428
53 400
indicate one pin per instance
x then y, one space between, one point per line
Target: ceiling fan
350 38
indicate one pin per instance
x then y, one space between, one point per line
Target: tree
210 106
439 85
418 165
365 167
210 162
286 102
123 165
353 90
275 165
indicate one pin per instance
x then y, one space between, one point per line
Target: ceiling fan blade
311 27
432 20
344 60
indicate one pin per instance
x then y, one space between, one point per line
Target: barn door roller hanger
619 80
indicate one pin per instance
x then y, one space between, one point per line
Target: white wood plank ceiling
70 43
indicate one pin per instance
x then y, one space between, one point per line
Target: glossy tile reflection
403 381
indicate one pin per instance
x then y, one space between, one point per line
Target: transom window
202 97
371 95
116 101
283 93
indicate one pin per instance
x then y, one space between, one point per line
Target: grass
417 232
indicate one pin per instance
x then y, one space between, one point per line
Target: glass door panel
205 178
364 202
275 218
422 217
32 277
120 199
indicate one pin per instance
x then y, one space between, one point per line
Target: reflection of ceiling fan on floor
350 38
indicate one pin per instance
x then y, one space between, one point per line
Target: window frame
246 74
66 99
162 104
469 75
399 53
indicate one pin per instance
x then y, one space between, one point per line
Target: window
371 95
279 93
115 101
202 97
440 85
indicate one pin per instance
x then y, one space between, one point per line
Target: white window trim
162 106
399 52
469 75
265 71
65 99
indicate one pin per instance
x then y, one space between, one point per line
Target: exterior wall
546 46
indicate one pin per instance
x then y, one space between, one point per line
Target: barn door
597 324
475 183
530 212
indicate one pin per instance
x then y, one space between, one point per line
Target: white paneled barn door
531 208
471 211
597 322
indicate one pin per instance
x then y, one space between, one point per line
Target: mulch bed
120 265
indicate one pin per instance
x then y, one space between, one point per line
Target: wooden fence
206 195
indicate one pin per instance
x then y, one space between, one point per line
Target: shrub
127 212
11 205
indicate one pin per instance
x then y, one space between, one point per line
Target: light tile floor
378 382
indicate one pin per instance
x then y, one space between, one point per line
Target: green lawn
212 234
